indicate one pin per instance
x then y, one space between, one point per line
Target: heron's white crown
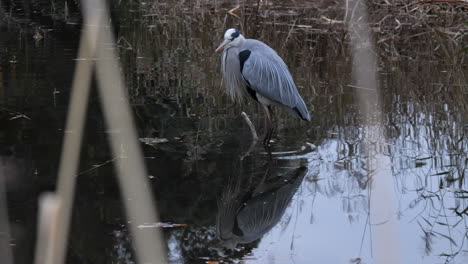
229 32
233 38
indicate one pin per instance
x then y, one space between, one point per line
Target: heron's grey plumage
268 75
234 83
263 71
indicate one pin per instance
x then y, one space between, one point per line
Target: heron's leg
274 120
269 126
272 114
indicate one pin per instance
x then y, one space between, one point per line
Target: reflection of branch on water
440 219
13 114
96 166
427 150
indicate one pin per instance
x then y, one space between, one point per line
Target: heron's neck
241 42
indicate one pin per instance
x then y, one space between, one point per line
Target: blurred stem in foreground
383 225
5 249
131 171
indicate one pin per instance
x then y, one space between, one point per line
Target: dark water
310 202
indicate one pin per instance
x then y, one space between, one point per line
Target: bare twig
97 166
231 12
454 2
289 34
360 87
346 11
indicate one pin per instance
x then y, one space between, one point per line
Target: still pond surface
311 201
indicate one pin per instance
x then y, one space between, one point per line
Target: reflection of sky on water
330 211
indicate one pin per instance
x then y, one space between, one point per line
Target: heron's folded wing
268 75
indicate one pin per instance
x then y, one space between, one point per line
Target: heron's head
232 38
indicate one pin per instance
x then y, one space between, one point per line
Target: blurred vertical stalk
5 249
382 203
52 246
97 41
133 178
46 228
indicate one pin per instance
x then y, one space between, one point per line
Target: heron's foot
268 141
272 142
268 151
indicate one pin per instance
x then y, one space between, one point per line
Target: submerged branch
252 128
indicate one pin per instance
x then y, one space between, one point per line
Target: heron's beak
221 47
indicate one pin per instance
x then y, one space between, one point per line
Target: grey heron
251 68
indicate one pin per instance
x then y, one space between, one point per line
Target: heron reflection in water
250 207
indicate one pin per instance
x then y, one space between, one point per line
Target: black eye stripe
235 34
